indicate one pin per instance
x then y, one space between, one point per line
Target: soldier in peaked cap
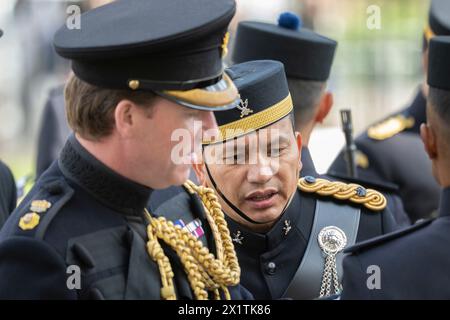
414 262
141 70
277 220
392 148
307 57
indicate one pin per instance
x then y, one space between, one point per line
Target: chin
266 216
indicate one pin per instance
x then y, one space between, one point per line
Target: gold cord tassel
204 271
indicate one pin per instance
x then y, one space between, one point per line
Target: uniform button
310 179
361 192
271 268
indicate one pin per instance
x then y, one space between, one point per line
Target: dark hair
306 95
439 101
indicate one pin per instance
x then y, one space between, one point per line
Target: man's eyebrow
282 138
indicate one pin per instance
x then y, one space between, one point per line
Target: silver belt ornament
306 283
332 240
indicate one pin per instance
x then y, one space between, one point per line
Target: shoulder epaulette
42 207
352 192
367 244
382 186
390 127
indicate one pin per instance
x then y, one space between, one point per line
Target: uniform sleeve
31 269
388 223
354 280
398 211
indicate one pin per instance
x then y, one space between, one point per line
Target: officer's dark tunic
389 191
414 263
269 261
8 193
401 160
95 222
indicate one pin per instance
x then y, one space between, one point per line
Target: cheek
228 181
288 174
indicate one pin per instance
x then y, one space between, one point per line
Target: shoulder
5 172
34 214
387 238
345 193
31 267
382 186
390 127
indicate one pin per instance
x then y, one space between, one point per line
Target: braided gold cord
205 272
372 199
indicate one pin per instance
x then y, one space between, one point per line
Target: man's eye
275 152
234 159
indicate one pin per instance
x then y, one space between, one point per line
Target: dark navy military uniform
8 193
413 263
84 221
286 260
95 222
401 160
269 261
391 150
390 191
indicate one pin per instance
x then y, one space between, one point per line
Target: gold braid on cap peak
370 198
204 271
254 121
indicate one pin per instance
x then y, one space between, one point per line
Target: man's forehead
280 131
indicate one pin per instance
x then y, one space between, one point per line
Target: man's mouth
262 199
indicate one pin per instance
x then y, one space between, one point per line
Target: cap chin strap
237 210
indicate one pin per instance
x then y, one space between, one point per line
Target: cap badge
245 110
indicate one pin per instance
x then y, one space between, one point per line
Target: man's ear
124 115
429 140
199 169
298 138
325 104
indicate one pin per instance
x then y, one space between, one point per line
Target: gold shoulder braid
204 271
370 198
390 127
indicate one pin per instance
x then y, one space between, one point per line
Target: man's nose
262 171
